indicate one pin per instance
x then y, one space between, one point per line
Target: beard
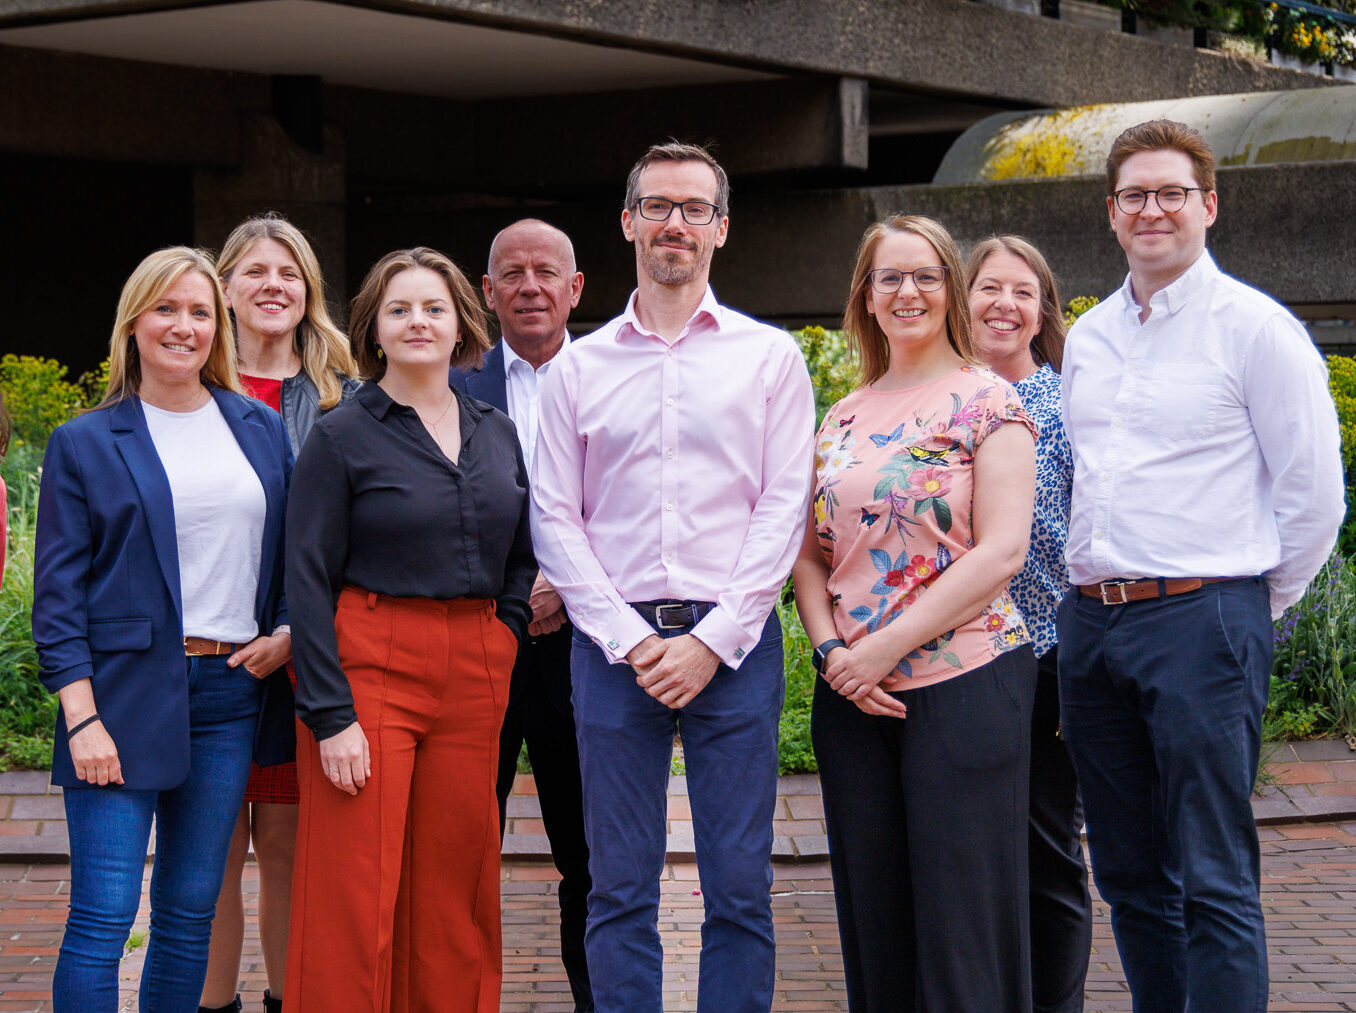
664 267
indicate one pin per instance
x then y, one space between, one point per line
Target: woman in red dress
294 359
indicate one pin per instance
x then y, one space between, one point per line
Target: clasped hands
858 671
673 671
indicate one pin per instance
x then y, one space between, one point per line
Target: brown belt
1122 592
196 647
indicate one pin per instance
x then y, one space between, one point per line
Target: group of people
1026 569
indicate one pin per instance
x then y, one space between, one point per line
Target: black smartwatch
821 655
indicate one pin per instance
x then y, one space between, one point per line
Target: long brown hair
320 344
1047 346
870 348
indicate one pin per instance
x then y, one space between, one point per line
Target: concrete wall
941 46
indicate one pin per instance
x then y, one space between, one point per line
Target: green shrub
832 372
37 396
794 753
1077 306
1342 386
1314 672
27 710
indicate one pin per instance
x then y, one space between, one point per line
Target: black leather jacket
301 405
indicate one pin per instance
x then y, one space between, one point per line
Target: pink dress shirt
673 471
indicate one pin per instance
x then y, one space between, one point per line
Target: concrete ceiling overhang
370 48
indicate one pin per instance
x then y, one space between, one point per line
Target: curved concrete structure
1259 128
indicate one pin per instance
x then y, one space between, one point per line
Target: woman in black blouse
408 571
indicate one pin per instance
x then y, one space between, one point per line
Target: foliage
27 710
1316 38
1314 671
832 372
1077 306
37 396
794 752
1342 386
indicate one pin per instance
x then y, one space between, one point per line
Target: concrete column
276 174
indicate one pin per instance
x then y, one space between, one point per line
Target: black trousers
539 713
1061 907
927 825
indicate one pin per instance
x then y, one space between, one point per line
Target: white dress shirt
673 471
1205 441
522 385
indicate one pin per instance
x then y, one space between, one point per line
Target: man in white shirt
1207 493
672 480
531 285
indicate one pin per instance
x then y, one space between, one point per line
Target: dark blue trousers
729 734
1161 703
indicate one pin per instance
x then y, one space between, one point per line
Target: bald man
531 286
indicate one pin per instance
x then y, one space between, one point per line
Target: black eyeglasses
695 212
1132 199
888 281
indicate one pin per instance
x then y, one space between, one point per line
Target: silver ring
334 771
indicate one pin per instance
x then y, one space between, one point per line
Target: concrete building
130 124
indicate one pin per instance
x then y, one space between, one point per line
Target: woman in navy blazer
157 607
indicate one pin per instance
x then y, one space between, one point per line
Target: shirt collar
1176 295
708 307
379 403
512 358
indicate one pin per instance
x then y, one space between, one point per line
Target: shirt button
669 452
668 505
668 401
1099 536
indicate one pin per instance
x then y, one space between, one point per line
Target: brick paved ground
1309 893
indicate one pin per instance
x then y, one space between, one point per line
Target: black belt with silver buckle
672 615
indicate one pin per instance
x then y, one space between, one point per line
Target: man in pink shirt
670 488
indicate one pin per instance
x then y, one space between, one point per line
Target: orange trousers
395 891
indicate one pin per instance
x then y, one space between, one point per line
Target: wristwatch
821 655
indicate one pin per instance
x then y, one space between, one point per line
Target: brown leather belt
197 647
1122 592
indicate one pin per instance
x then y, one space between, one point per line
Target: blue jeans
1161 704
729 734
109 830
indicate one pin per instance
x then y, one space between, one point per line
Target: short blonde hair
870 348
473 335
152 277
320 344
1048 344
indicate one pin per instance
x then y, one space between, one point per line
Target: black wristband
71 732
820 657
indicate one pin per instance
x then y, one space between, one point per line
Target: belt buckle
189 652
1118 585
659 617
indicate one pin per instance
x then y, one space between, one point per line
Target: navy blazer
489 383
106 598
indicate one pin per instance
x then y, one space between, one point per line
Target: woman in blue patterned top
1019 334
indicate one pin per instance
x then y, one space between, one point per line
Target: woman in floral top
921 722
1019 334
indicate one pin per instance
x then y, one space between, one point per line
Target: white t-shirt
219 510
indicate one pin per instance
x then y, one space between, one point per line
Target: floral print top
893 507
1044 579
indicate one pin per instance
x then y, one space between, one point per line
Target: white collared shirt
673 470
1205 441
522 384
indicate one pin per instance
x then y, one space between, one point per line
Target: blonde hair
320 344
152 277
1048 344
867 342
473 337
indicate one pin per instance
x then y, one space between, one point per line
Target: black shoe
271 1005
231 1007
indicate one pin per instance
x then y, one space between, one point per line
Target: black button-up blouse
375 503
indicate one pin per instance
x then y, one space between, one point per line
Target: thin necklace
450 398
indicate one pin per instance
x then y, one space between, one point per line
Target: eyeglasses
888 281
1132 199
695 212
